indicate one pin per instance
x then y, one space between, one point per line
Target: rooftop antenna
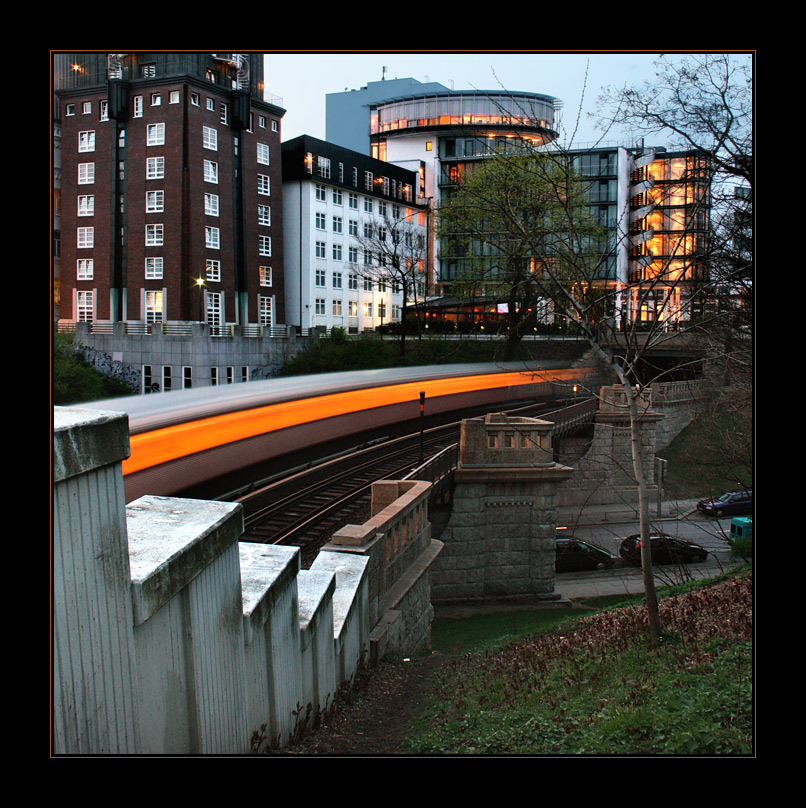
383 74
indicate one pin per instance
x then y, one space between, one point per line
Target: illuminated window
265 276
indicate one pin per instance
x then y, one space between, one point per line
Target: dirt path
377 721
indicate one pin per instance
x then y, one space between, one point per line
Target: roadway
606 525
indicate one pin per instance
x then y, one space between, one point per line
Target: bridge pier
499 541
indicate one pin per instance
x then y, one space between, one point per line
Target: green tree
518 227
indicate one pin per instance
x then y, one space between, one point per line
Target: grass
597 685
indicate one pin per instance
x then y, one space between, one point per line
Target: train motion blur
186 437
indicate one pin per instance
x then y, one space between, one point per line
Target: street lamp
200 286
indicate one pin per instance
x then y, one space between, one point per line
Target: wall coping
85 440
173 540
350 570
266 572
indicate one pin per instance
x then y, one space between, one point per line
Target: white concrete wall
170 635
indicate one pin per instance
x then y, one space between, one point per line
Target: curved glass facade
520 111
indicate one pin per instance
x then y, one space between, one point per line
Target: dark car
575 555
733 503
665 550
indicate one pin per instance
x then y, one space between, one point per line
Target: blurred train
186 437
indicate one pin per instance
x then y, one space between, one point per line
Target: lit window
153 305
264 310
337 307
265 276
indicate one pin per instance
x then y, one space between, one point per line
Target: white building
354 238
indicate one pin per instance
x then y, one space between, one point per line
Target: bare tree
395 250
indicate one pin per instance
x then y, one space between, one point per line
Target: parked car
665 550
732 503
575 555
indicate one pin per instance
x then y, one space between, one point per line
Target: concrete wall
171 636
115 351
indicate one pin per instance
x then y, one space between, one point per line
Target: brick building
170 197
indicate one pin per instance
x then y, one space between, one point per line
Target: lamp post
200 287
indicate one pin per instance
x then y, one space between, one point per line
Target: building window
70 110
367 205
86 141
263 154
211 204
86 173
321 193
320 249
265 276
352 281
149 70
337 308
264 245
154 235
320 305
85 237
337 224
155 134
84 306
323 167
155 168
212 237
352 227
352 255
85 269
210 171
337 196
368 180
166 378
137 109
194 99
264 309
367 284
337 280
174 97
352 308
153 269
209 138
153 307
353 200
224 115
274 127
155 201
213 270
320 277
264 184
321 221
187 377
337 252
264 215
156 99
86 206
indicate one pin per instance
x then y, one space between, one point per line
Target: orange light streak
163 445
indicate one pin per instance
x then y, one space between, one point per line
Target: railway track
306 507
